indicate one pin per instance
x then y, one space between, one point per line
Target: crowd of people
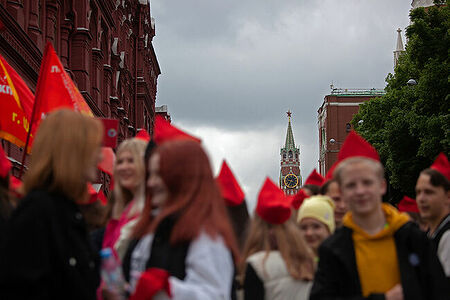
178 232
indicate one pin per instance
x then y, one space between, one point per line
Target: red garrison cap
273 206
329 175
314 178
107 162
355 145
442 165
143 135
229 187
408 205
5 164
298 199
164 131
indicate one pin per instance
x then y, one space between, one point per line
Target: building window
290 155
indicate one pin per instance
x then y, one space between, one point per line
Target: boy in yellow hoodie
378 253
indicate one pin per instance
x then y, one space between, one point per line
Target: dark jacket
47 252
421 274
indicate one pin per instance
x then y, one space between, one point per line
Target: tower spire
289 144
399 49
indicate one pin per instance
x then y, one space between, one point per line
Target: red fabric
55 89
164 131
110 127
2 26
143 135
329 175
355 145
92 193
408 205
101 196
442 165
273 206
14 185
5 164
314 178
107 162
112 231
150 283
16 103
298 199
229 187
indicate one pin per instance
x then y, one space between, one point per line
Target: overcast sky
232 68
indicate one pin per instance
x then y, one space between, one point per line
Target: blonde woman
47 252
278 264
129 194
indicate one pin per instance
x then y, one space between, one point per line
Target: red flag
55 89
16 105
110 137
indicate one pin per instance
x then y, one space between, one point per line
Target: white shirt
209 269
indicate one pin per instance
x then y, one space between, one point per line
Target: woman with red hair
184 247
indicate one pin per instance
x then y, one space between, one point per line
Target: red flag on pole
111 127
55 89
16 105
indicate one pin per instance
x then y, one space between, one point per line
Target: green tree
409 125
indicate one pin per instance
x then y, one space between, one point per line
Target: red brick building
105 45
334 118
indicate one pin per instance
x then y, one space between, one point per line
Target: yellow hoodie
376 255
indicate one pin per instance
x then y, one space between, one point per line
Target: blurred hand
110 295
396 293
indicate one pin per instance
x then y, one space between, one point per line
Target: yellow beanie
320 208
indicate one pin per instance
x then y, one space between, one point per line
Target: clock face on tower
291 181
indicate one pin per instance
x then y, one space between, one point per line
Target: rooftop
358 92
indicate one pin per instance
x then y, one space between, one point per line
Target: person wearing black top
47 252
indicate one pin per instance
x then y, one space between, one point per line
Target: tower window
284 155
348 127
290 155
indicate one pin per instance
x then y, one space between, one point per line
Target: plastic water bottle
111 272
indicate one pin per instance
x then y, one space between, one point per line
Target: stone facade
334 118
105 45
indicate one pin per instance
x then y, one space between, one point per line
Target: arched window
290 155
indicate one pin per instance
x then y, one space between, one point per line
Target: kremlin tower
290 178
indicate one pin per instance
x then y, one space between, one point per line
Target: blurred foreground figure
184 245
6 203
129 194
378 253
47 253
433 200
277 262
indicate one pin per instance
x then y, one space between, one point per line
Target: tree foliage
409 125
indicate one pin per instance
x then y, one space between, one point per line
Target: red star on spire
289 113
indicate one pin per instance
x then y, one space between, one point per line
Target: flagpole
28 139
33 112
